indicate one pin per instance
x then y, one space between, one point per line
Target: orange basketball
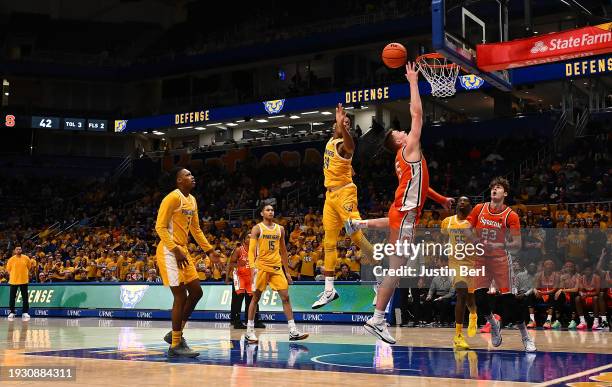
394 55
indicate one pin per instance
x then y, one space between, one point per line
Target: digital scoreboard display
97 125
45 122
74 123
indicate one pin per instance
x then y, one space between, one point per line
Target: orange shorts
243 281
498 274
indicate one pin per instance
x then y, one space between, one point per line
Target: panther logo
348 207
471 81
120 125
132 295
274 106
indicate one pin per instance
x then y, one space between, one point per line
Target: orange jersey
491 226
413 184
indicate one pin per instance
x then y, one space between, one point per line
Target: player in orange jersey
497 227
176 219
404 213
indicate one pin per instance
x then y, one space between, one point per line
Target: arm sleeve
252 249
473 216
441 200
164 217
197 233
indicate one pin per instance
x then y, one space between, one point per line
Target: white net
440 73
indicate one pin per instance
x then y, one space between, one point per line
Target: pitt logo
471 82
274 106
132 295
348 206
120 125
488 222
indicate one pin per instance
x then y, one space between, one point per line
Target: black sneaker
168 339
259 324
182 350
604 325
239 325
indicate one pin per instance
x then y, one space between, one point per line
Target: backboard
459 25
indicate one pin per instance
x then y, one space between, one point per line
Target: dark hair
388 144
169 178
264 205
499 180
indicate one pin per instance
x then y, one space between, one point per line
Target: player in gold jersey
176 218
455 227
340 202
267 259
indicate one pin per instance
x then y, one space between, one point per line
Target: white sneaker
379 330
11 317
297 335
325 297
251 337
25 317
529 344
496 337
350 227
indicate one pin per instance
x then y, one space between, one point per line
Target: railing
241 213
125 166
581 123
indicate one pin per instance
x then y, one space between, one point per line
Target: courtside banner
355 298
553 47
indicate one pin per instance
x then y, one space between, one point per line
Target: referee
18 267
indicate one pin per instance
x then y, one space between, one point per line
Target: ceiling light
281 116
365 107
326 113
349 108
231 124
185 127
218 123
261 120
240 121
200 128
145 132
313 112
317 123
294 117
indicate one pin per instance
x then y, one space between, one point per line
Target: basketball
394 55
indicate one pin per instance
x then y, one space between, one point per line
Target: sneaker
379 330
547 325
260 325
531 325
11 317
182 350
496 337
556 325
572 325
325 298
168 339
604 324
595 326
529 344
486 328
459 343
25 317
239 325
582 327
297 335
350 227
251 337
472 325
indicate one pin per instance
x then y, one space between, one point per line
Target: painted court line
574 376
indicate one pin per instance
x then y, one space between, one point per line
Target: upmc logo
312 317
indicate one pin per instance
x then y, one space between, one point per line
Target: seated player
588 297
267 259
605 294
565 297
547 284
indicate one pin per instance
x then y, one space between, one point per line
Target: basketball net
440 73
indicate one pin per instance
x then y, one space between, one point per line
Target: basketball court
119 352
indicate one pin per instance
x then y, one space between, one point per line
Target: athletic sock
291 324
523 329
379 316
604 318
329 284
596 321
458 329
251 326
176 338
549 318
531 317
582 320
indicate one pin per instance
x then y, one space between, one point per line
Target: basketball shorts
242 280
498 273
169 271
402 225
587 301
463 279
274 278
339 206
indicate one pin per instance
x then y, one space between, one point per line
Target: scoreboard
49 122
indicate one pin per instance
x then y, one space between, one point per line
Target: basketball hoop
440 73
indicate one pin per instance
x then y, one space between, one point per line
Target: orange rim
434 55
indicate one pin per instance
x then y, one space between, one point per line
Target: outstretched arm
441 200
347 147
416 108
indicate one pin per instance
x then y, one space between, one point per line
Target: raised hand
340 115
412 72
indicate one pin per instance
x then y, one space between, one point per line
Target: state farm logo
539 47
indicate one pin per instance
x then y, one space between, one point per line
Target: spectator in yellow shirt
18 267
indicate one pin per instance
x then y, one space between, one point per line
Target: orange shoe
531 325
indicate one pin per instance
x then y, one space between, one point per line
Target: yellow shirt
294 260
452 227
177 216
19 269
336 169
576 243
200 268
353 264
268 248
308 264
91 269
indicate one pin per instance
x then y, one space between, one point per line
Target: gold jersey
268 248
336 169
453 227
